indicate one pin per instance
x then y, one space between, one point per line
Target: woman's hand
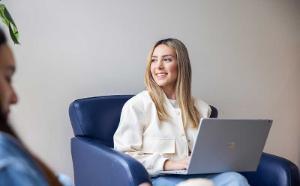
176 164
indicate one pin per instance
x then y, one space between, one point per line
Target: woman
158 126
18 166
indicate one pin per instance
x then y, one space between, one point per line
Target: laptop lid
228 145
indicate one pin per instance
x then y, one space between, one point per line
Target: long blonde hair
190 114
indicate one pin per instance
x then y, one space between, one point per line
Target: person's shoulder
203 107
142 95
7 140
16 166
9 146
201 103
139 99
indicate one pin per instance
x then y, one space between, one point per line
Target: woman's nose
160 64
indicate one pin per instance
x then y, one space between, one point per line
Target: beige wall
245 58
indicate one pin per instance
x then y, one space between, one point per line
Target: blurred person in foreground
18 166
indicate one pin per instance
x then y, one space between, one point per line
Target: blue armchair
94 121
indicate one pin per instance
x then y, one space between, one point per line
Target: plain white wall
245 58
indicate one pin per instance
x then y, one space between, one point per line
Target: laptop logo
231 145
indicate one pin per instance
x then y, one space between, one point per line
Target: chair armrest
97 164
274 171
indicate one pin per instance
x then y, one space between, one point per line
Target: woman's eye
153 60
168 59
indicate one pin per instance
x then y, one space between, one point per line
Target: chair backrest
99 117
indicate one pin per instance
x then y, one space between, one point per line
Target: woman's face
7 69
164 67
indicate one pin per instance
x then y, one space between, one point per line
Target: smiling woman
158 126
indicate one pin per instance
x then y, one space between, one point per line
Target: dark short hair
3 39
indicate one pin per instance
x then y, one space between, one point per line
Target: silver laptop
227 145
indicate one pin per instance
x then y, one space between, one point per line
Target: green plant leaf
14 34
9 22
8 16
2 15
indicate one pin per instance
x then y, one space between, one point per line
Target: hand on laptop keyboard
177 164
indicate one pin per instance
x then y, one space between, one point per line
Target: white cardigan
141 134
